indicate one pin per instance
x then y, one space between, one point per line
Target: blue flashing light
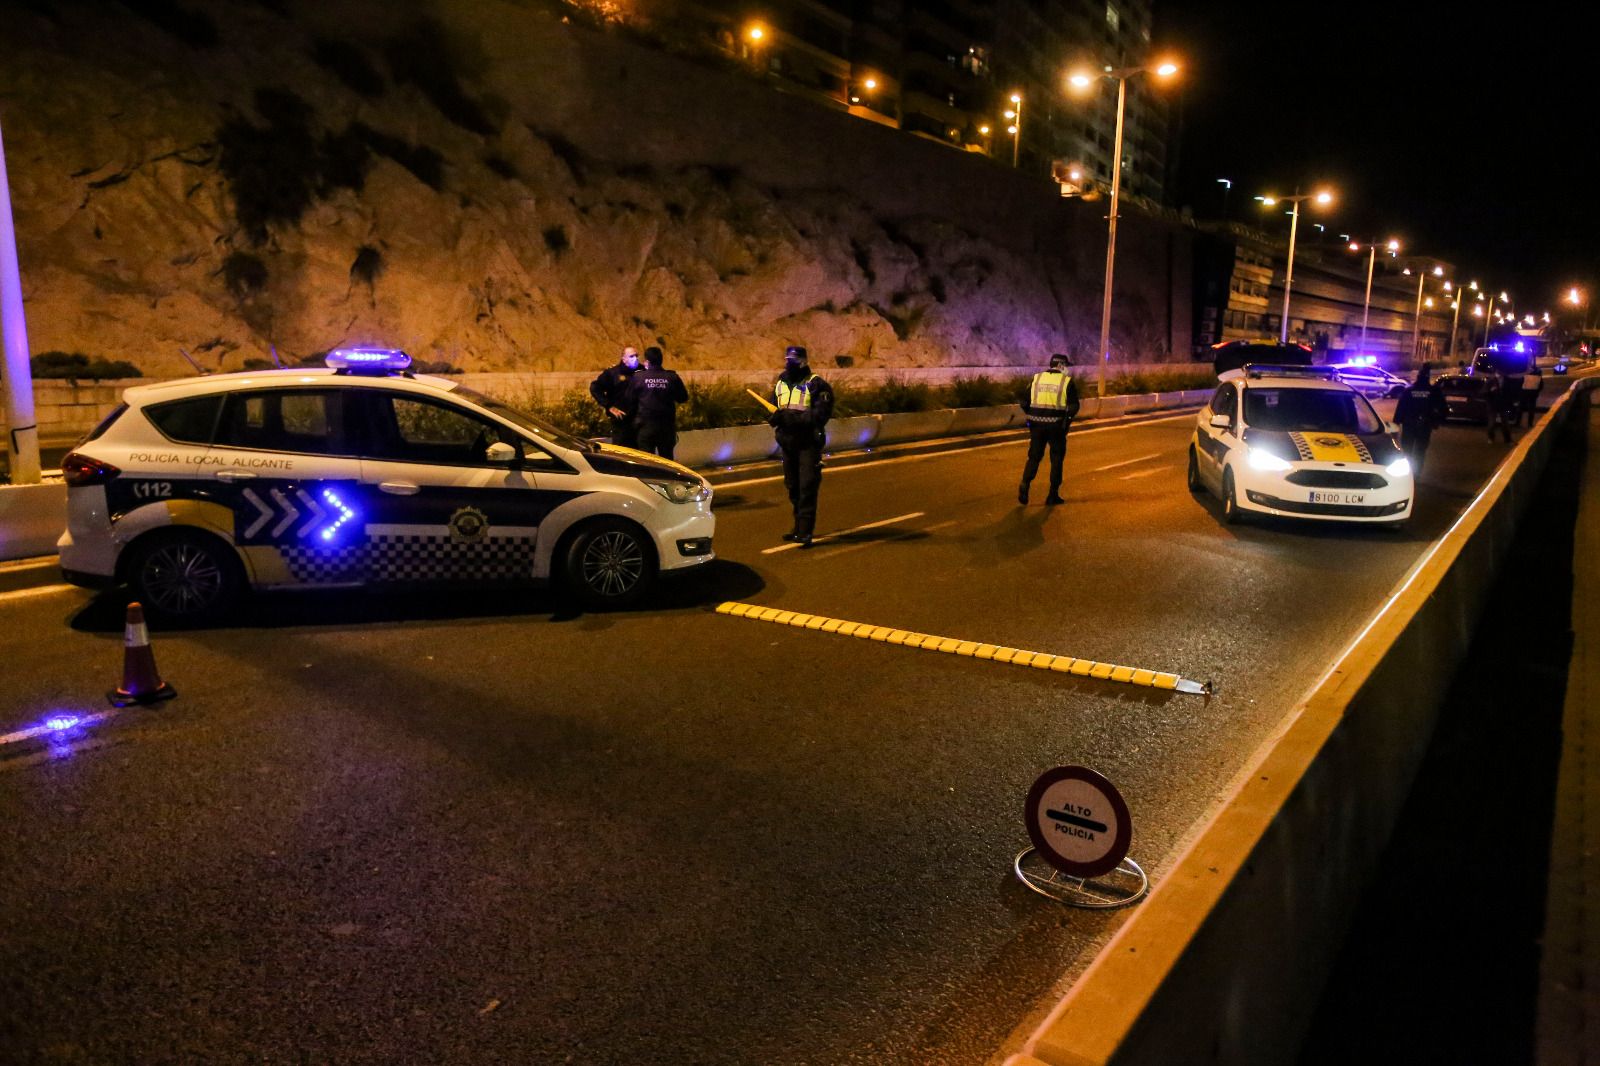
1521 347
345 515
61 723
368 360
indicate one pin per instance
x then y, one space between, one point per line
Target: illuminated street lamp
1083 81
869 85
1455 322
1416 319
1323 197
1503 298
1013 115
1392 246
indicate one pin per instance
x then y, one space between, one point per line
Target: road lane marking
1061 664
1187 416
30 564
836 534
907 535
1125 462
42 590
1145 473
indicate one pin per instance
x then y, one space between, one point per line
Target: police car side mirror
501 452
1221 422
1391 428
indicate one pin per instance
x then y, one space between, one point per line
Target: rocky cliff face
230 177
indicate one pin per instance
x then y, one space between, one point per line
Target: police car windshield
1309 410
532 423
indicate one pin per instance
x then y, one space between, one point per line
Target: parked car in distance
1373 382
1466 396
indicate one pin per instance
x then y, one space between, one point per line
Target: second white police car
363 474
1298 443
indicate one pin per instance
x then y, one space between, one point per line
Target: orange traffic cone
140 681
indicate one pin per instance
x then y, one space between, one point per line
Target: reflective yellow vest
794 397
1049 390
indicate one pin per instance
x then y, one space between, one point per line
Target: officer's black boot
1022 493
1054 497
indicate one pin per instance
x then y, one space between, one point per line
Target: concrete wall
1225 961
66 409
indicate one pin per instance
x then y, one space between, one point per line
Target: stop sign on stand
1081 831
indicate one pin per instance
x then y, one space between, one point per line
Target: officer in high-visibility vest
804 403
1051 403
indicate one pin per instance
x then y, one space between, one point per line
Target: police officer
804 403
1532 382
652 402
1505 402
610 391
1050 403
1420 409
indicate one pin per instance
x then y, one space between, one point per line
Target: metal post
1111 237
1366 304
1488 312
1016 138
17 381
1288 274
1416 321
1455 325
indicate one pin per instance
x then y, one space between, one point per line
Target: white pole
1288 275
16 383
1366 303
1111 238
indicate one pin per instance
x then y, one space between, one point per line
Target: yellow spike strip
1038 660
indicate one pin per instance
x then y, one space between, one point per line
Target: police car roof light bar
1262 370
368 360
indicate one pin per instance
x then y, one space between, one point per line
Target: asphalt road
484 828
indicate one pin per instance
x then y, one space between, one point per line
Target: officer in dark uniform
610 391
1420 409
804 403
652 404
1050 403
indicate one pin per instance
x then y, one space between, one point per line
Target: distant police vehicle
363 475
1297 442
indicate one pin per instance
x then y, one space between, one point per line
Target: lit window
1112 18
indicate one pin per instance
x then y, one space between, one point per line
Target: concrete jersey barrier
1224 963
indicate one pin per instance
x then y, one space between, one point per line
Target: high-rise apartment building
947 70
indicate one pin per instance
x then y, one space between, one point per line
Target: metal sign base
1125 885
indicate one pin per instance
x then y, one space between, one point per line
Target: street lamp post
1416 321
1455 321
1014 116
1227 187
1323 197
1391 247
1082 81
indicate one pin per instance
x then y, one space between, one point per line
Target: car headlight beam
1401 467
1261 459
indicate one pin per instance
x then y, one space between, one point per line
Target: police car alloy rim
181 578
613 562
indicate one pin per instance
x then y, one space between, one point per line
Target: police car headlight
1261 459
681 491
1401 467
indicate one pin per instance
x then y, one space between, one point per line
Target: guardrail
1225 961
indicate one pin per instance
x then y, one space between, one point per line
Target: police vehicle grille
1336 479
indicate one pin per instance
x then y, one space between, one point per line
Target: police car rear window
105 423
286 420
191 421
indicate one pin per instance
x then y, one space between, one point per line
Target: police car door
453 493
1214 440
286 463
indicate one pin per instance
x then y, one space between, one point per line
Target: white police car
1298 442
363 475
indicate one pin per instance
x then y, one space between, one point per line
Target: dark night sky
1467 132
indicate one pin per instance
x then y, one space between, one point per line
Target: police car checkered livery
358 475
1298 442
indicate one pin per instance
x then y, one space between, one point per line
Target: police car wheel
1230 500
185 576
609 563
1193 476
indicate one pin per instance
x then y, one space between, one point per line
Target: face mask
631 362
